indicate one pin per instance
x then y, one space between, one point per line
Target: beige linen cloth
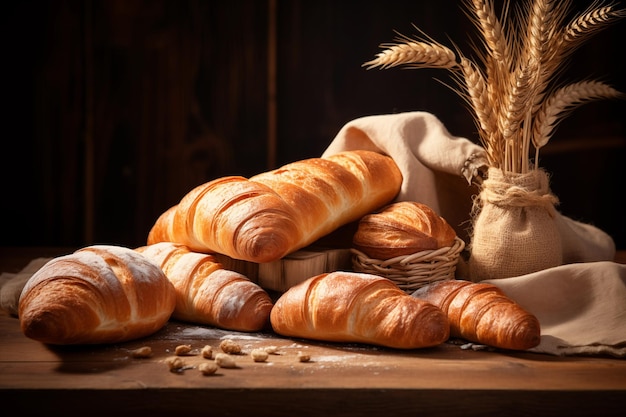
11 285
581 305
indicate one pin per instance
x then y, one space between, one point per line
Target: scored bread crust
401 229
206 293
98 294
272 214
360 308
482 313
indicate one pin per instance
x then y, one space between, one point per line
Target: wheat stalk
563 101
522 54
497 60
518 103
479 99
533 46
566 38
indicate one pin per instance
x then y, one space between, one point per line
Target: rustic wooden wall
114 109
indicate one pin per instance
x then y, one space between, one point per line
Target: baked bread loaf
272 214
162 230
401 229
206 293
98 294
482 313
360 308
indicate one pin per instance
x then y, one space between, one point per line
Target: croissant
206 293
482 313
272 214
360 308
162 230
402 228
98 294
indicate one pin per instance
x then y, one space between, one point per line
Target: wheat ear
508 99
477 96
497 60
492 30
587 24
531 78
545 19
414 53
519 99
563 101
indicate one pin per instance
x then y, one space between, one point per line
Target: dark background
114 109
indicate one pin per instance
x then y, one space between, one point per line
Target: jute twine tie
521 190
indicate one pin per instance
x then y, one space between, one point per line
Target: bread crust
206 293
98 294
482 313
272 214
400 229
361 308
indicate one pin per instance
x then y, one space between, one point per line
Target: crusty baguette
206 293
482 313
162 230
98 294
400 229
360 308
272 214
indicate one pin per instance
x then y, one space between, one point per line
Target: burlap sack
514 226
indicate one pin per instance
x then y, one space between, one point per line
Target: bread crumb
272 350
208 368
142 352
304 357
207 352
182 350
224 360
230 346
175 364
259 355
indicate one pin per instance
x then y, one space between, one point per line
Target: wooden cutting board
329 253
284 273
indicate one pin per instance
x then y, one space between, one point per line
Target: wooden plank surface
340 379
344 366
441 380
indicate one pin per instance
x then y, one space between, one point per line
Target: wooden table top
339 379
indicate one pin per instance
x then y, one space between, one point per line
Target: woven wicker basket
411 272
